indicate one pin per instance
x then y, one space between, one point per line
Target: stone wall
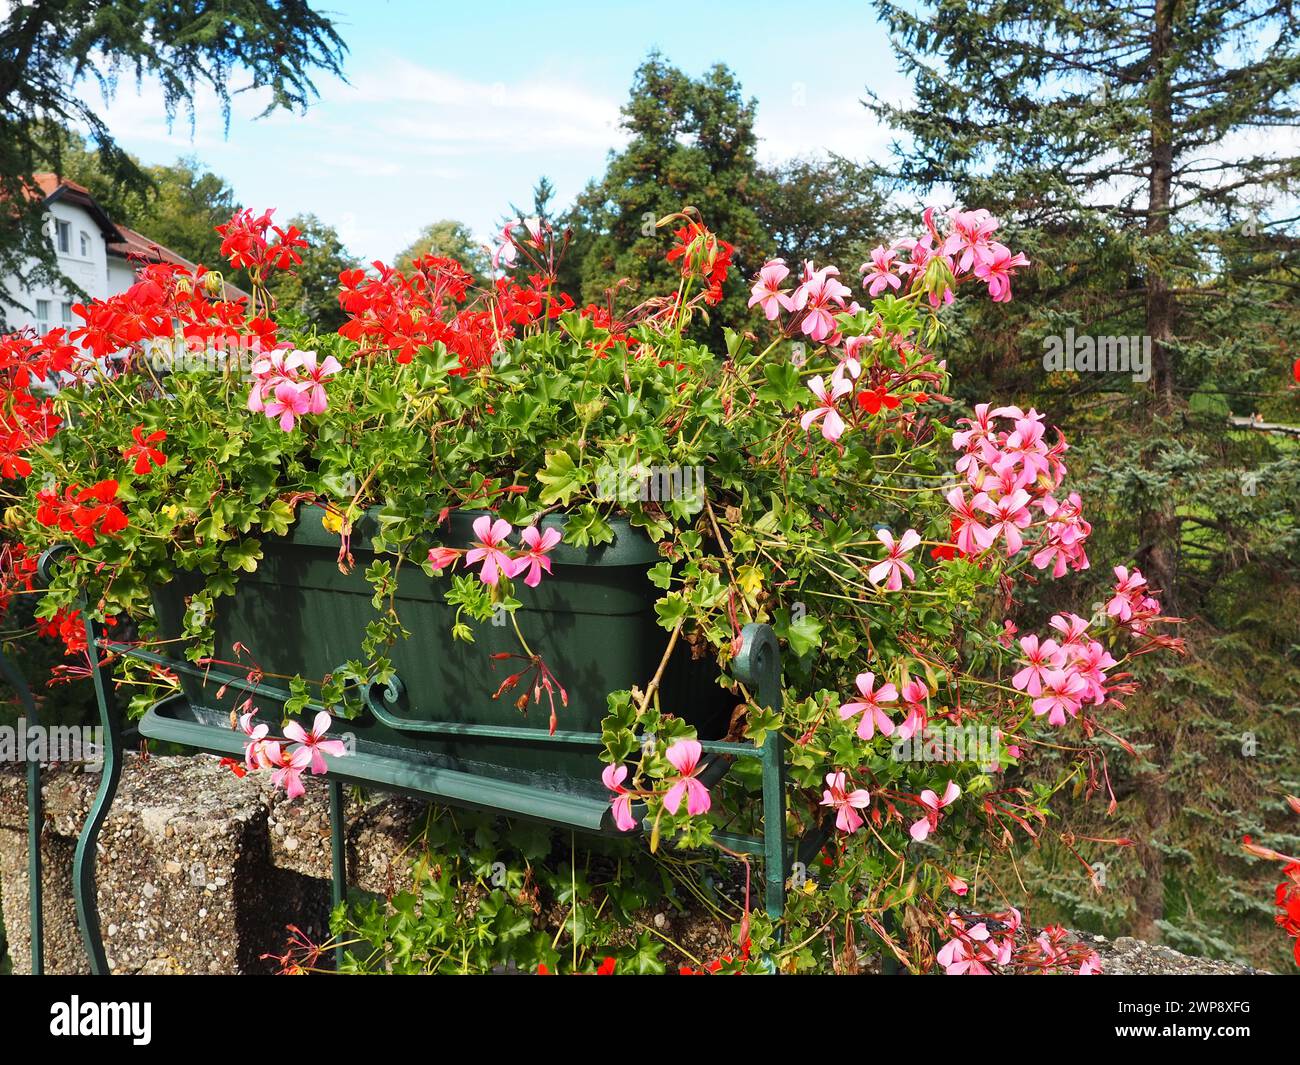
199 871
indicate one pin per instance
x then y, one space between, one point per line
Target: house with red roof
98 255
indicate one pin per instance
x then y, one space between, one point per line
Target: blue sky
453 111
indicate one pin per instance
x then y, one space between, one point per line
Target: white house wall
99 274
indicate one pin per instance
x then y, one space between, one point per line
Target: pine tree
1137 152
692 144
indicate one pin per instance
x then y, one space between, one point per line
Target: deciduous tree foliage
50 49
450 239
1140 148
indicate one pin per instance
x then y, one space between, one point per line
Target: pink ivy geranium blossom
767 292
489 549
1090 666
845 803
505 251
832 424
1073 629
441 558
1040 659
879 273
1130 588
621 802
892 567
1010 515
259 751
915 695
315 741
535 559
288 774
922 828
1062 696
971 235
685 757
971 536
313 382
818 296
873 714
289 403
998 270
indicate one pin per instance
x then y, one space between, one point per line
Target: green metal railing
757 667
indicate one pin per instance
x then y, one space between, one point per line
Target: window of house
85 244
63 236
43 315
66 312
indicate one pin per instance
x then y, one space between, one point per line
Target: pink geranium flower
313 383
288 774
845 803
535 560
621 803
970 535
892 567
1129 591
767 292
1039 659
442 557
832 423
933 804
315 741
1062 696
879 273
997 271
685 758
290 402
488 549
873 714
1010 514
819 296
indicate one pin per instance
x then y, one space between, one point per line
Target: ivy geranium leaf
783 385
802 633
243 555
561 478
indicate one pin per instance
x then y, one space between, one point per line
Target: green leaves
802 631
561 477
784 386
243 556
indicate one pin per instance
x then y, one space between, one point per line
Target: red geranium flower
143 451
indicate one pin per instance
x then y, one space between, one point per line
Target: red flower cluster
703 255
164 298
393 311
245 243
25 420
17 573
86 513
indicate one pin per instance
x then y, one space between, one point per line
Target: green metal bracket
338 855
35 820
83 858
758 667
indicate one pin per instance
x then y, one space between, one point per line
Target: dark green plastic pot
592 620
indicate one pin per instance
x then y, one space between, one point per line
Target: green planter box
592 620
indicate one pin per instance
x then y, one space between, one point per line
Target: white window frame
65 313
85 245
43 315
63 236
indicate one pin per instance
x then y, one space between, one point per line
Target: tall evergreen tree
692 144
1137 151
